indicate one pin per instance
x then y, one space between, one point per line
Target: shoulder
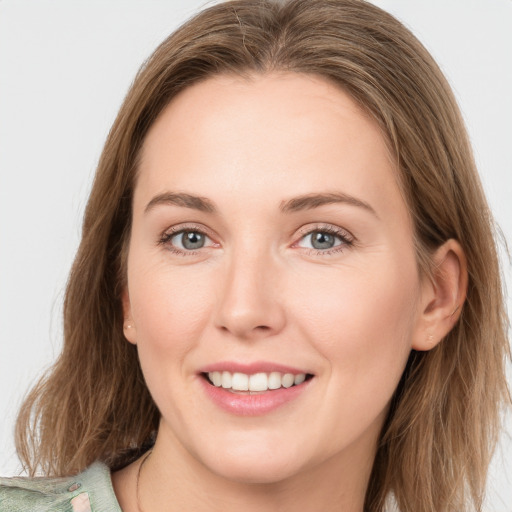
88 491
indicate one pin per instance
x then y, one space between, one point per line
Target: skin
259 291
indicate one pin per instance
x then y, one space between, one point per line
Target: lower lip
253 405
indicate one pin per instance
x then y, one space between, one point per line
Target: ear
129 330
442 296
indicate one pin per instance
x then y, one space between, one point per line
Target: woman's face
270 237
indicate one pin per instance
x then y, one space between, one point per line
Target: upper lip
251 368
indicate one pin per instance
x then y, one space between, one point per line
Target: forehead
287 132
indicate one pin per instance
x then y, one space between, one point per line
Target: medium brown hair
437 441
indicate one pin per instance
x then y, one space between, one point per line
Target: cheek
169 308
349 301
362 323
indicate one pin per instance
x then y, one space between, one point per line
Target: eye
326 240
320 240
185 241
189 240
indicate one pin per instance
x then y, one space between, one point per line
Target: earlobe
443 295
128 324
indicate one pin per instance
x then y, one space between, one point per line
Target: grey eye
189 240
322 240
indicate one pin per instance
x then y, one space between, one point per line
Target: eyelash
347 240
167 236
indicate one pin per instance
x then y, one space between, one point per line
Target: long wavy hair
436 444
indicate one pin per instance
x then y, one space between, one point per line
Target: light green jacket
90 491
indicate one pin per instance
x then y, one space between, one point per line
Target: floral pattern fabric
89 491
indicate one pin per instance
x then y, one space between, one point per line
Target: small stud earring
128 326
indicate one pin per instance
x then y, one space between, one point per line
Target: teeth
274 380
240 382
299 379
216 378
226 380
256 382
287 380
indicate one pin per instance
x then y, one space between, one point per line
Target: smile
253 390
257 382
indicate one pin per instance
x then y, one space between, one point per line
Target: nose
249 301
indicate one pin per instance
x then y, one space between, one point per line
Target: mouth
256 383
256 388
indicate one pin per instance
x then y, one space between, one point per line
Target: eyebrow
181 199
310 201
296 204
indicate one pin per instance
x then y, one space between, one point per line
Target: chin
262 472
263 464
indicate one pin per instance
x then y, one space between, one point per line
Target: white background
64 69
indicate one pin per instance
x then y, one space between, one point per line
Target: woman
287 291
